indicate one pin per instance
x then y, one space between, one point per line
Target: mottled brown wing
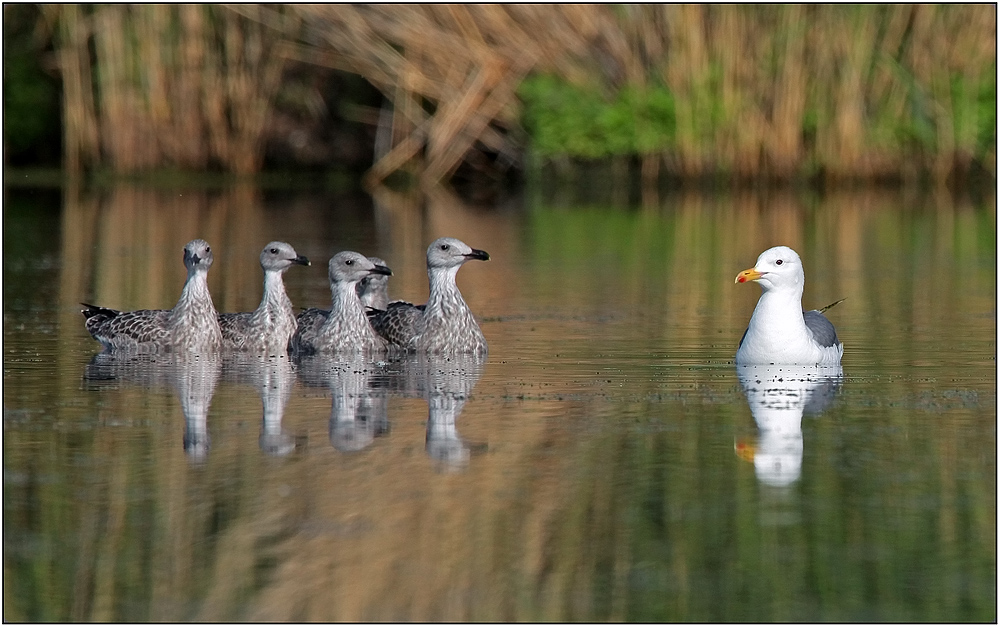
310 322
118 328
235 327
399 324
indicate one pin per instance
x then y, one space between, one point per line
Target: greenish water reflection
602 465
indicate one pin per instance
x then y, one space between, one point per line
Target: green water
604 463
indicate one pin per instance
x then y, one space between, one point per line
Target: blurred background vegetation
899 93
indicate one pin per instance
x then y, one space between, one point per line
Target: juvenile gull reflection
778 396
445 383
192 376
359 411
273 376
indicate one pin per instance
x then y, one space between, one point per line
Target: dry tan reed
781 91
784 91
157 86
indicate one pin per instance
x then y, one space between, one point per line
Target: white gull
779 331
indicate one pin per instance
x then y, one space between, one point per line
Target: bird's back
310 321
399 324
235 328
141 330
822 329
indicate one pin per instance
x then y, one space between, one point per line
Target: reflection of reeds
104 234
584 506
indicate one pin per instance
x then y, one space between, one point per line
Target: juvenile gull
345 327
271 326
444 325
192 326
373 290
779 331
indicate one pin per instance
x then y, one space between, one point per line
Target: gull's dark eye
349 262
208 249
444 247
778 262
274 251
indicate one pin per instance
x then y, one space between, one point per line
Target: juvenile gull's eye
349 262
444 247
274 251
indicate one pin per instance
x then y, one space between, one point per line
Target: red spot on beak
742 279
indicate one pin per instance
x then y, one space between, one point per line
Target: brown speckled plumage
192 326
345 327
445 324
268 329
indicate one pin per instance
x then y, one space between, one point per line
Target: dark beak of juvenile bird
381 270
301 260
481 255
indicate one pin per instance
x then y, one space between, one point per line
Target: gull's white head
776 268
448 252
350 267
280 256
198 256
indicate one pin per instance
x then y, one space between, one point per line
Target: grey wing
115 328
399 324
822 329
309 322
235 327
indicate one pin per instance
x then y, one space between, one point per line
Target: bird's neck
274 299
194 320
444 296
780 310
347 326
346 304
195 298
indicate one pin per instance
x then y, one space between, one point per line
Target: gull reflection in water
273 376
778 396
359 411
445 383
193 377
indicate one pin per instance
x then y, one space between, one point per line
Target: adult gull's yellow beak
750 274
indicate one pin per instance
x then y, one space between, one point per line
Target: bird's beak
380 270
745 450
750 274
482 255
301 260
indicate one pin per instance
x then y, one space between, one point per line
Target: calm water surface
606 462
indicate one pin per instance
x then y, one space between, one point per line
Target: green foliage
573 121
986 108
